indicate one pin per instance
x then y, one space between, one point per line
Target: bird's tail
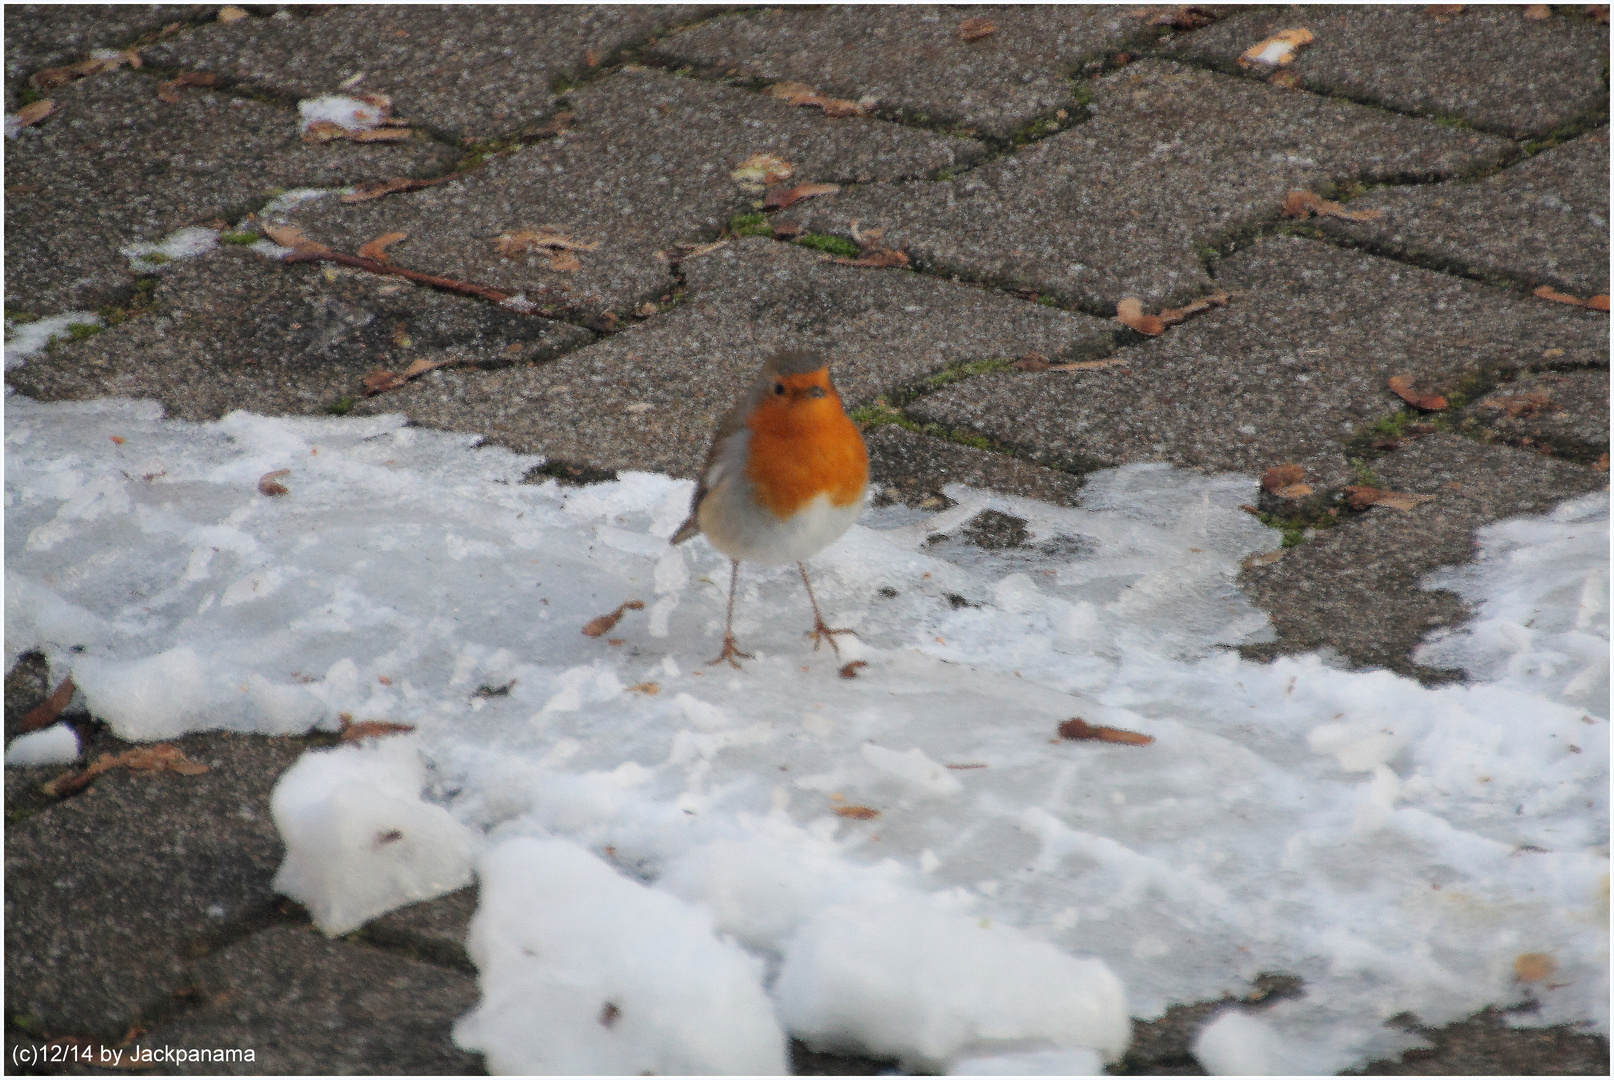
688 529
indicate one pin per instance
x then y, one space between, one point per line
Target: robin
784 478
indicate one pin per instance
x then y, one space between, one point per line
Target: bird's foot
731 653
821 633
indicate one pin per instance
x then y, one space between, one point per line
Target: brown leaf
423 365
1534 966
1547 292
1360 497
779 198
524 240
45 713
1280 48
645 688
801 95
1598 12
34 112
369 729
378 188
1032 361
1077 728
158 757
787 230
1516 405
380 381
1282 476
380 134
1288 78
1186 17
1302 204
975 29
292 237
1538 11
600 626
591 58
859 813
231 13
876 258
759 170
52 77
849 670
1401 386
1089 365
1444 9
560 122
377 249
1173 316
565 262
1601 464
323 131
267 482
1294 491
1129 313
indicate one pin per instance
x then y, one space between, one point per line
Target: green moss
750 225
945 174
833 245
28 95
1083 94
1293 529
17 318
1036 129
340 407
81 330
1362 473
156 258
964 371
243 238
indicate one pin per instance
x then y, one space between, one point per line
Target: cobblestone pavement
1032 177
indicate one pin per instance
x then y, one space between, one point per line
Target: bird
784 478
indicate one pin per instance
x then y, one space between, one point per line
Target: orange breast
803 449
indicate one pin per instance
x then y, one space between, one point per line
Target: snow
30 338
55 745
1032 1063
584 970
1238 1044
349 114
180 244
657 822
359 839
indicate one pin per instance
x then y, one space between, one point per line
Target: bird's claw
820 632
730 652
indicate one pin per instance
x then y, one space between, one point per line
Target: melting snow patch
181 244
54 745
349 114
27 339
1395 846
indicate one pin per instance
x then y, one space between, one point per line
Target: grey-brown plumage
789 362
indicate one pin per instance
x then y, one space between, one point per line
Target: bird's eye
778 387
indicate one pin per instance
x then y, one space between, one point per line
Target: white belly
741 529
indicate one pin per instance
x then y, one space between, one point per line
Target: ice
55 745
359 839
30 338
584 970
349 114
1395 846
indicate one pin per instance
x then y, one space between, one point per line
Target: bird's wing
711 473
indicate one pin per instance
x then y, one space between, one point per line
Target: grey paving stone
910 62
233 330
1487 65
913 469
647 166
1292 370
306 1005
52 35
1172 158
115 165
1355 588
1541 222
470 70
649 397
433 930
110 893
1564 413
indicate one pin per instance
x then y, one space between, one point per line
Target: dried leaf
34 112
1077 728
779 198
1598 12
1280 48
975 29
876 258
1302 204
52 77
380 381
1288 78
377 249
802 95
1089 365
1444 9
849 670
524 240
1282 476
1173 316
1186 17
323 131
267 482
645 688
155 758
370 729
45 713
591 58
1129 313
1547 292
375 190
381 134
600 626
1360 497
565 262
858 813
1032 361
697 250
1534 966
759 170
787 230
421 366
1538 11
1401 386
1517 405
231 13
292 237
1294 491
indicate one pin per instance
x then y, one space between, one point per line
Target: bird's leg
730 650
820 630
